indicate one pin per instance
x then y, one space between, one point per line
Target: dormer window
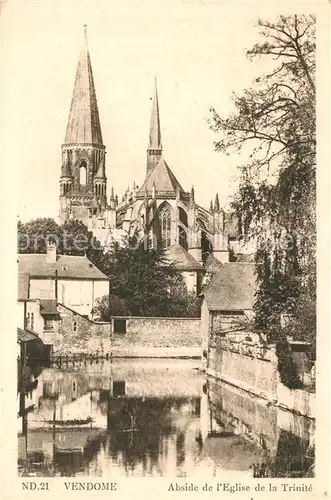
64 268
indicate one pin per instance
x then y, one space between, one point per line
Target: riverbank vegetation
143 283
273 127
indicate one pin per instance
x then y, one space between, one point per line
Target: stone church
160 209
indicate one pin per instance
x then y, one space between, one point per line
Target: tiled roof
26 335
163 178
212 265
67 266
48 307
182 259
23 286
232 288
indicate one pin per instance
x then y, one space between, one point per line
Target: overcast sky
197 51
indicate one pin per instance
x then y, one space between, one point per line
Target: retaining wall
156 332
244 366
253 368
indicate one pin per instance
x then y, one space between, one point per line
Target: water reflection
153 418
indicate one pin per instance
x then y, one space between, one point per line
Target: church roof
163 178
182 259
84 123
68 266
155 129
232 288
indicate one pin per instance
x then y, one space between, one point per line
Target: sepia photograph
166 242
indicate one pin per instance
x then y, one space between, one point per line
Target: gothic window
82 173
165 226
182 215
182 237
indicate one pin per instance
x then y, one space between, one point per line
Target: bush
286 367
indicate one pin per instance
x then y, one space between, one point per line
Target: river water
148 417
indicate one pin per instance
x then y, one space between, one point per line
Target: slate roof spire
155 141
84 122
217 204
154 150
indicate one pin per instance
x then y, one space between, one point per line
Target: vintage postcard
166 240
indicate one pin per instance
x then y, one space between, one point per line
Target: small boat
73 422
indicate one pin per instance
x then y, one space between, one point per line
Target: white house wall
42 288
79 295
190 279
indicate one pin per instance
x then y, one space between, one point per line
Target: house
37 316
72 280
227 300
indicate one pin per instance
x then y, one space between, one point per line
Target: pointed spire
154 150
84 122
192 193
216 204
211 208
155 142
112 199
66 170
178 191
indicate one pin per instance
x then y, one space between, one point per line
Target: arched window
165 226
182 237
182 215
206 246
82 173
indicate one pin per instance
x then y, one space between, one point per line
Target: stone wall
156 332
247 366
253 368
76 331
304 402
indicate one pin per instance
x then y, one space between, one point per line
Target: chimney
56 286
50 251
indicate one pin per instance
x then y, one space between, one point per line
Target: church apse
160 209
